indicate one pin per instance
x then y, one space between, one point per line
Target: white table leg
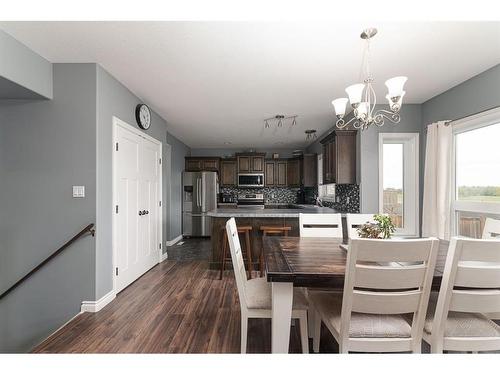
281 316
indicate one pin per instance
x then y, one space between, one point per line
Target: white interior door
137 196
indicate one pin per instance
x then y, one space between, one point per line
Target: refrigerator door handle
198 181
203 193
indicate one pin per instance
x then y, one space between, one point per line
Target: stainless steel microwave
251 180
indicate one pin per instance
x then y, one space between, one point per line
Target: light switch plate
78 191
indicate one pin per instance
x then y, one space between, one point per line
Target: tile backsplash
346 198
271 194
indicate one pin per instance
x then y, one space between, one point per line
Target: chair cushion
461 324
258 295
329 305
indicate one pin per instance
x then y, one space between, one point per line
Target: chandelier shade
340 105
395 86
363 99
355 92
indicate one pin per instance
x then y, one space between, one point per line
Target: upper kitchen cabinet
302 171
339 157
276 172
228 172
250 162
201 163
310 170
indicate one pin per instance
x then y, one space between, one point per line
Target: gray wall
178 151
45 148
114 99
475 95
21 67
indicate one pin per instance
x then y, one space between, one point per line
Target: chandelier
363 99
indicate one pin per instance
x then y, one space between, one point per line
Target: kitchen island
256 218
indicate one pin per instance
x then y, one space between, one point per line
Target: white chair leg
304 339
316 329
437 347
244 331
310 324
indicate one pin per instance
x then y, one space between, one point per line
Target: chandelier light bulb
362 110
395 86
340 106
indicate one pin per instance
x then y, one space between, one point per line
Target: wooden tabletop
316 261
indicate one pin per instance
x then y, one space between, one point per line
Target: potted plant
381 227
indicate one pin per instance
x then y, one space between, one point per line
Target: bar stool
243 229
270 229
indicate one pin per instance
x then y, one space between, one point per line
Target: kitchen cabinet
339 157
250 163
228 172
310 170
200 163
276 173
293 175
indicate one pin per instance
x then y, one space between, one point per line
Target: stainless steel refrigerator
199 192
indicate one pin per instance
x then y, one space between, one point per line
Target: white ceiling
215 82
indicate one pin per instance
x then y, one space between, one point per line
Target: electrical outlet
78 191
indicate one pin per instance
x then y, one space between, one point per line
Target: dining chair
320 225
354 221
371 313
491 228
255 294
470 288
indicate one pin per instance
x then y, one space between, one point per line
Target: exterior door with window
398 180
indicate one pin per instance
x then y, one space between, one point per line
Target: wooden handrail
89 228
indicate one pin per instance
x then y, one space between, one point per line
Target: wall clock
143 116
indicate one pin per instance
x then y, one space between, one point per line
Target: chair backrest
389 277
470 264
354 221
491 228
237 259
320 225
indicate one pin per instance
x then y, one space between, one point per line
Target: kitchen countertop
270 212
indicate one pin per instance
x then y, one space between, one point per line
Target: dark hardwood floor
179 306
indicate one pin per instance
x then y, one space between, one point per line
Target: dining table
310 262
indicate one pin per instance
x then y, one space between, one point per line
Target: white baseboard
95 306
174 241
164 256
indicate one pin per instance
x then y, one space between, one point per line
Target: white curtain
436 208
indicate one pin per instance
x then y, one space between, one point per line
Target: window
476 173
398 180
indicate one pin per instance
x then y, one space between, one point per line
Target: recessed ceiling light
279 143
227 143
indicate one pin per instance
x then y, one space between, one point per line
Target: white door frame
117 122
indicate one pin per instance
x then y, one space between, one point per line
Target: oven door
251 180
